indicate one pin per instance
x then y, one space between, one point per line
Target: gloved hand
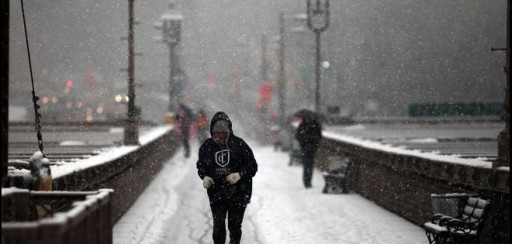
207 182
233 178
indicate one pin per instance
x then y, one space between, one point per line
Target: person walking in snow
226 165
185 117
309 135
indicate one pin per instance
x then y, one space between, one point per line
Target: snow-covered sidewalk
174 209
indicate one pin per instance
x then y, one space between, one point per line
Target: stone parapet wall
403 184
128 175
81 218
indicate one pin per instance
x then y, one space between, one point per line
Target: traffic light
69 84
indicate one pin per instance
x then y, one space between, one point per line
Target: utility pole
4 86
172 72
318 21
281 75
131 133
264 58
504 136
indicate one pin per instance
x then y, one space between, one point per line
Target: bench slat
468 226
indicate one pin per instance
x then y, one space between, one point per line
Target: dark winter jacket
309 132
219 160
185 116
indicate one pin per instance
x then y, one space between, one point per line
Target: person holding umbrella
309 136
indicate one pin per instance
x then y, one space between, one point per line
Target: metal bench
335 176
465 228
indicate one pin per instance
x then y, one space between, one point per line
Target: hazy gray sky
391 53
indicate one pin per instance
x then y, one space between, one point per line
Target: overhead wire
35 98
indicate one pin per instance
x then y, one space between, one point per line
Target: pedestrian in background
309 136
226 165
202 126
185 118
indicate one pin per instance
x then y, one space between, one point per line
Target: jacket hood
221 116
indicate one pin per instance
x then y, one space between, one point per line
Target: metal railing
57 217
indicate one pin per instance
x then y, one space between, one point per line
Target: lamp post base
503 150
131 133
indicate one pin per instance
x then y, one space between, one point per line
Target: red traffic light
69 83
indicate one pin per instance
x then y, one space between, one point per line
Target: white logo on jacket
222 157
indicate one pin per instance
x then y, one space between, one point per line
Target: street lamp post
131 133
170 24
504 135
4 86
318 21
281 77
281 74
264 64
300 58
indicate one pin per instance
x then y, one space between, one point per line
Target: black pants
308 162
235 216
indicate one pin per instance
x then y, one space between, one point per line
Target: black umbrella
186 110
307 114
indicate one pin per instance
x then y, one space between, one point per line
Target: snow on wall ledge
475 172
473 162
113 153
99 169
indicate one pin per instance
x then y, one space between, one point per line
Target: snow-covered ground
174 209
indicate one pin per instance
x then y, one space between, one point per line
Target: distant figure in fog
309 135
202 126
185 118
226 165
